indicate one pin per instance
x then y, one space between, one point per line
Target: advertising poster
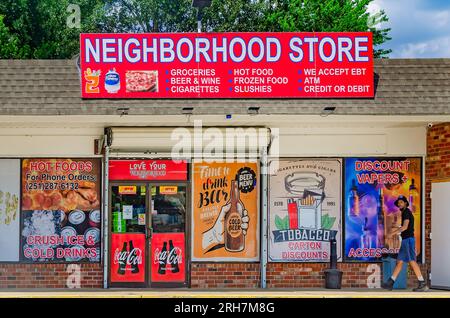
168 253
225 221
9 210
372 185
61 218
227 65
304 210
127 258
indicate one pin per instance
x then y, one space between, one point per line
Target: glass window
168 208
128 209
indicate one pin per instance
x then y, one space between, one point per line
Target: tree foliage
40 28
328 16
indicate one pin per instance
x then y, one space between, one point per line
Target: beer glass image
309 187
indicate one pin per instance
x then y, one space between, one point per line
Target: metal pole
199 20
264 176
106 214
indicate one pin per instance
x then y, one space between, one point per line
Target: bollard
333 254
333 276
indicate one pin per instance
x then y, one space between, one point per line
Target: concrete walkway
229 293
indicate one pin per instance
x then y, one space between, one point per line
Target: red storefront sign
168 253
227 65
147 170
128 258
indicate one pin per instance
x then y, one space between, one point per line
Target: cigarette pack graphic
310 211
309 187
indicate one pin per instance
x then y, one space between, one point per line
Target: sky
419 28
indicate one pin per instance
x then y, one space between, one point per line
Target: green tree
328 16
39 29
9 47
41 26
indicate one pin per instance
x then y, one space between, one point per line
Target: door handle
148 232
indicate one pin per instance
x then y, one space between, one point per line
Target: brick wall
49 275
437 168
225 275
312 275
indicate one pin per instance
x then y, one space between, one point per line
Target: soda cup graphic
67 232
92 236
94 218
63 219
76 219
112 81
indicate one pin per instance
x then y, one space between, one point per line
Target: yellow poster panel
225 222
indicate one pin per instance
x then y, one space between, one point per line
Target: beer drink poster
127 258
9 210
225 222
169 258
371 187
304 209
231 65
61 214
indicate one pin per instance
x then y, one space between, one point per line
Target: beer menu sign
225 222
227 65
304 210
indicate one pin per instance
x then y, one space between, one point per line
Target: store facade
93 198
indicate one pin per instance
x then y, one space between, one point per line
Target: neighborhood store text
231 65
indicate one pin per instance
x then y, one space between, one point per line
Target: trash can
389 263
333 279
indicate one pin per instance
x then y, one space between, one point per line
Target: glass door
128 249
168 242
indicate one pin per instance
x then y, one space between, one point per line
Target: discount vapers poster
371 187
225 222
304 210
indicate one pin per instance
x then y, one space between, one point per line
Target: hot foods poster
61 210
127 258
304 210
169 258
225 222
371 187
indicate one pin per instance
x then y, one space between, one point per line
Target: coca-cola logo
171 257
133 257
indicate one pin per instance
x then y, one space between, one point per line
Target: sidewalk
228 293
